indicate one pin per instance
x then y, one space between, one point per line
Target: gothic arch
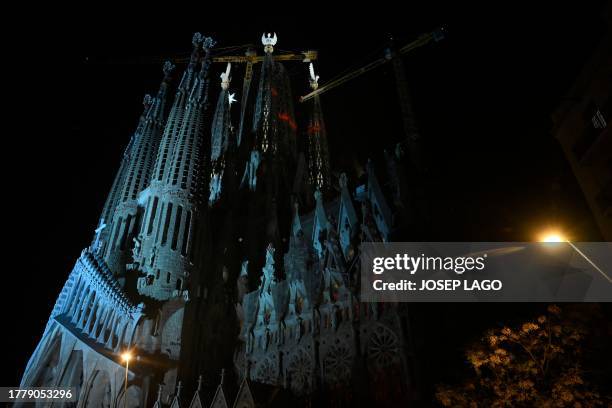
121 332
48 364
103 312
81 305
134 396
108 329
98 393
73 371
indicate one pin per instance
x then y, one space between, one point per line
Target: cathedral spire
220 136
269 42
175 117
318 155
219 399
102 233
144 145
173 215
274 122
187 79
158 402
157 111
176 401
221 121
186 156
199 91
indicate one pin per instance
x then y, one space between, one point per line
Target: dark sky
483 98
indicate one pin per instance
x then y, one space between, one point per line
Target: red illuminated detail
286 118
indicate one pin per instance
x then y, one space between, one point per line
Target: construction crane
416 214
424 39
249 58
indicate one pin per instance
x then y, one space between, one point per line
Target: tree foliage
537 363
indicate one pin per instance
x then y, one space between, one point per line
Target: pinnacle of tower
269 42
318 153
157 110
196 401
168 68
158 402
220 129
274 122
225 77
193 61
314 79
199 92
176 113
147 101
208 43
176 401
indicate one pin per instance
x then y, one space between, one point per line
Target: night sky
483 98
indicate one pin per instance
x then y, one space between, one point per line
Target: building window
177 226
186 233
161 212
167 224
152 216
126 232
117 228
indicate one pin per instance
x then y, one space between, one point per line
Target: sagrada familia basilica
226 259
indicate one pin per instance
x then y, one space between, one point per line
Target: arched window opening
167 224
177 227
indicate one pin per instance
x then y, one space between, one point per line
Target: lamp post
554 237
127 356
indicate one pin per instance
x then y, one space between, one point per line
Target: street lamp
552 236
555 237
127 356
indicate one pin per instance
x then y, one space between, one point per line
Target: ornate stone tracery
383 347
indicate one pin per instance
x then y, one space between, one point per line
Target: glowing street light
552 236
556 237
126 356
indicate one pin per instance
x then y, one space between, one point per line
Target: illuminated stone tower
134 177
219 249
167 251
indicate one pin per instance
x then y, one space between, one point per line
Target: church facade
227 244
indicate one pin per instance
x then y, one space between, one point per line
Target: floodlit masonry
226 243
